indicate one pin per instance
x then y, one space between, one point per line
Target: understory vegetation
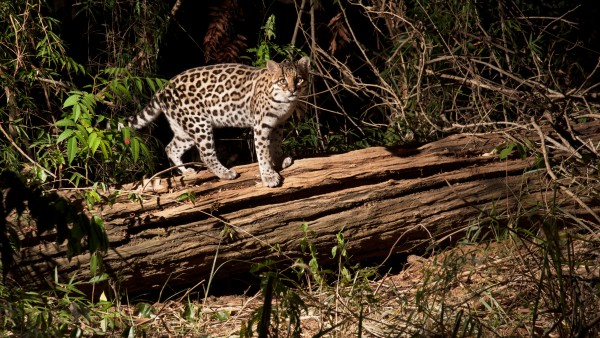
384 73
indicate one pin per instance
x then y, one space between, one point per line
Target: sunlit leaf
72 100
103 297
506 151
99 278
93 142
66 122
64 135
76 112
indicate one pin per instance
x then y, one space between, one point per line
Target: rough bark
383 200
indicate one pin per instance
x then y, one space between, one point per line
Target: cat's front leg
275 147
262 143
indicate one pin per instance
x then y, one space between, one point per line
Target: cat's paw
229 174
186 171
287 162
271 179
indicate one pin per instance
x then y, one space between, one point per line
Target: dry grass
510 287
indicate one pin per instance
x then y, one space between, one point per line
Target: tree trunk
383 201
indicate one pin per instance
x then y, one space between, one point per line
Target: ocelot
230 95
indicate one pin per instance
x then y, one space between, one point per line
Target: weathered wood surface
386 200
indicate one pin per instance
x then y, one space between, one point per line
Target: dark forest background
383 73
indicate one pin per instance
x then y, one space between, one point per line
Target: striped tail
147 115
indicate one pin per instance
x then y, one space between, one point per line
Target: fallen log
384 200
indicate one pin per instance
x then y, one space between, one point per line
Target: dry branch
385 200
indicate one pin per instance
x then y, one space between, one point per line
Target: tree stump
383 200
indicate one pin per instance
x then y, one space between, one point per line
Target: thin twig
543 148
553 175
23 153
298 22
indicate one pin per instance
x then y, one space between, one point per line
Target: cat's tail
143 118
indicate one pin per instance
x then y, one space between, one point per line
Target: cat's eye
299 80
281 82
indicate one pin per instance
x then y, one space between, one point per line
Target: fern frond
219 45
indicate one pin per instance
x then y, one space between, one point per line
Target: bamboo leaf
151 84
99 278
138 84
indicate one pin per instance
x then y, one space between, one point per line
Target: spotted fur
230 95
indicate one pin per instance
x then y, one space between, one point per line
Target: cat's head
289 79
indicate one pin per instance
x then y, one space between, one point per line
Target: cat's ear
272 66
304 63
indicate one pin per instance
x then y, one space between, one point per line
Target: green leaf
222 315
183 197
64 135
346 273
122 90
72 100
95 263
138 84
93 142
506 151
189 312
144 310
99 278
85 121
145 150
98 241
103 297
92 197
41 175
72 149
269 28
75 179
314 265
76 112
126 133
187 196
89 100
104 148
83 108
66 122
151 84
161 83
135 149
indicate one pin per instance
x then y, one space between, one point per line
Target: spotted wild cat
230 95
